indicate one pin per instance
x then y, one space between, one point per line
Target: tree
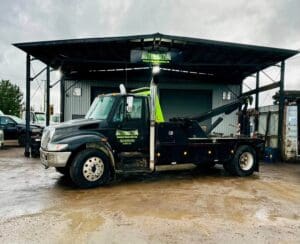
10 98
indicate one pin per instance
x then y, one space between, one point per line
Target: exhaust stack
153 94
122 89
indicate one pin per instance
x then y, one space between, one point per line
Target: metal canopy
108 58
221 61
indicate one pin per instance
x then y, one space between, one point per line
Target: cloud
270 23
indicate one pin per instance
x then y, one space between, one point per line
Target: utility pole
256 121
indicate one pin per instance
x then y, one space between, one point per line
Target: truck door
132 132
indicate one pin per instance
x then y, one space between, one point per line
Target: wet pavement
38 205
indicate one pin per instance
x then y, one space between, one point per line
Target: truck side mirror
129 104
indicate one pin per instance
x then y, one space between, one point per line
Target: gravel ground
39 205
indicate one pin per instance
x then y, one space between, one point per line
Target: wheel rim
246 161
93 169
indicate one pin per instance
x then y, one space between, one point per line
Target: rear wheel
90 168
243 162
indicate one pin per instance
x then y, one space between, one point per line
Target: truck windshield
100 108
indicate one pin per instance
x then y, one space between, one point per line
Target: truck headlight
56 147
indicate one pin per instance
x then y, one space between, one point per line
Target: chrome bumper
54 159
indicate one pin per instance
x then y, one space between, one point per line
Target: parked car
14 128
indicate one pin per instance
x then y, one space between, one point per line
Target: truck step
133 162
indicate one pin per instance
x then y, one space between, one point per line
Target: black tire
22 140
63 170
238 165
85 159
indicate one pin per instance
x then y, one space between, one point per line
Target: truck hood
78 123
32 126
73 127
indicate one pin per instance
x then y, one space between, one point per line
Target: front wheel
243 162
90 168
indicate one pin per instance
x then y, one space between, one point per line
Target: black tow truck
126 133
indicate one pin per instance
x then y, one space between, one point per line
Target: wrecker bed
179 143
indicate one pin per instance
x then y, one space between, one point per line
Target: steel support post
62 99
256 120
28 80
281 109
241 92
47 104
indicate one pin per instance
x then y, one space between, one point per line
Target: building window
77 92
226 95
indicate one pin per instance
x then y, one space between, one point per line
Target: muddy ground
38 205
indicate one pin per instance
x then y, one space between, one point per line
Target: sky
272 23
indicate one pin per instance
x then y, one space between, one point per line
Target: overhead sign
152 57
156 58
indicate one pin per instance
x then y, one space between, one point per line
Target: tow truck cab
126 132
